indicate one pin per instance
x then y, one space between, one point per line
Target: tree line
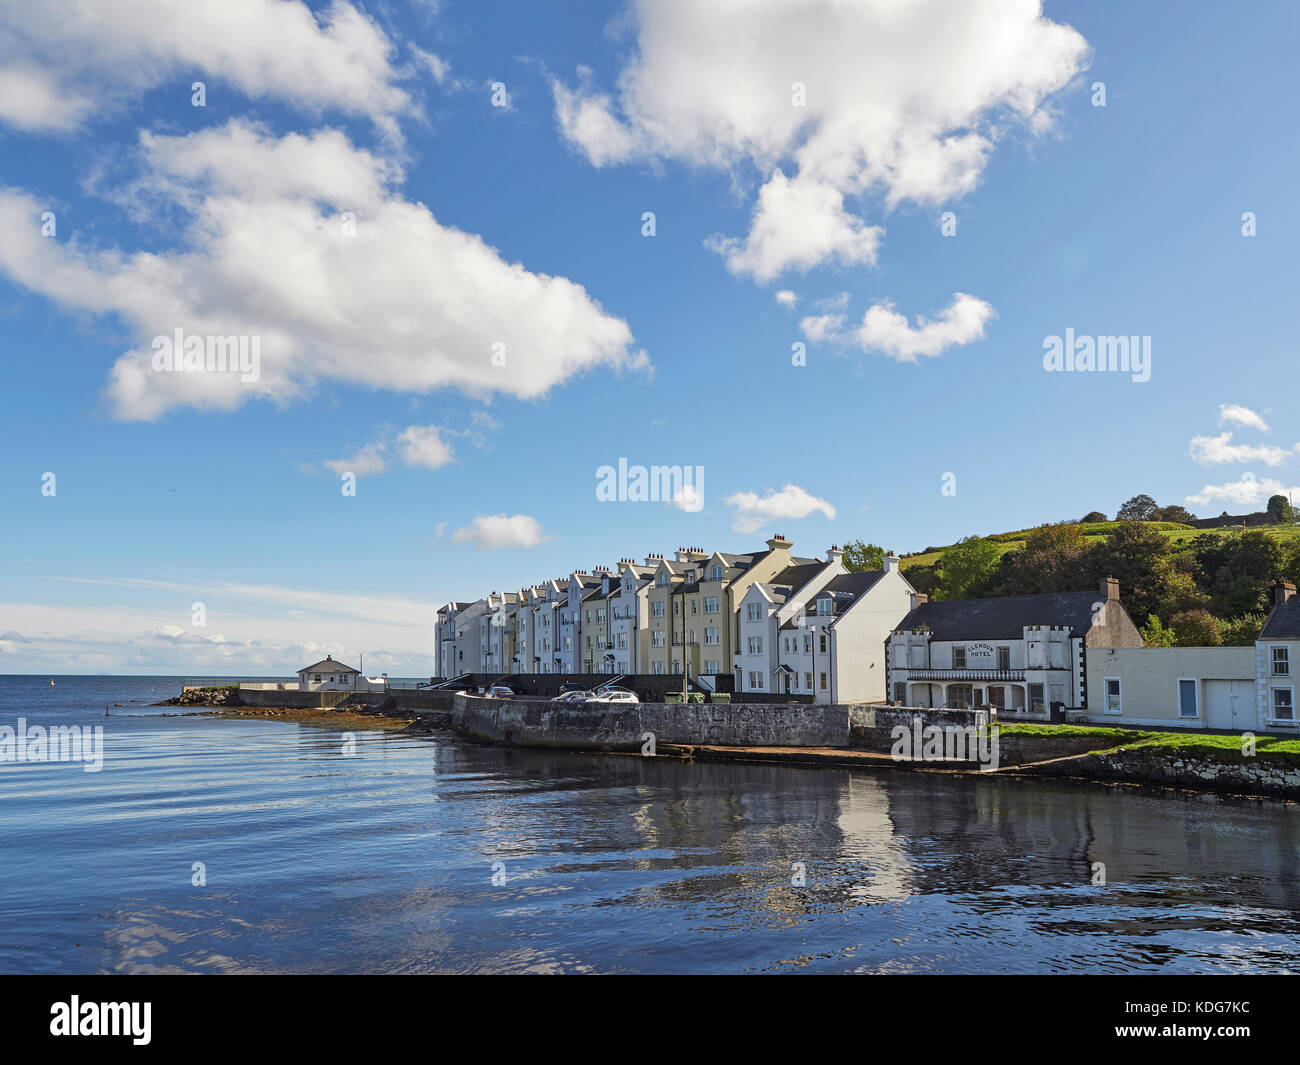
1208 590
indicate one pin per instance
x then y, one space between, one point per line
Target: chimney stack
891 562
1110 588
919 599
835 554
1282 591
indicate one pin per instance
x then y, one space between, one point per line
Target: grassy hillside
1176 533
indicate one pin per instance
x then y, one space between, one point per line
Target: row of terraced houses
771 621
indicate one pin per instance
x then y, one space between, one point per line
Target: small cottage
328 676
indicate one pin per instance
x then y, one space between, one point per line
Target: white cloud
786 298
885 330
688 498
418 446
1220 449
901 101
1236 413
422 446
753 511
64 62
798 224
819 327
400 302
1246 491
369 460
496 531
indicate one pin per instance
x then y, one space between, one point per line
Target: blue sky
523 223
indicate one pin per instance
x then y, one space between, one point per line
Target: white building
1277 659
457 638
768 605
329 676
833 645
1023 654
629 613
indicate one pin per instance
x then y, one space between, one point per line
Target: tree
1242 631
1156 635
860 557
966 570
1051 561
1174 513
1281 509
923 578
1238 572
1093 516
1195 628
1139 508
1138 557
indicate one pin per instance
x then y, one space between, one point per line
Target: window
756 645
663 580
807 680
807 644
823 680
711 665
622 641
710 636
657 610
658 667
959 658
821 639
657 639
1282 707
823 606
600 616
710 604
715 574
1035 698
752 612
1186 697
695 606
900 691
1114 703
1004 658
1281 661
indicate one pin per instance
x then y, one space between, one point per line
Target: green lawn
1214 747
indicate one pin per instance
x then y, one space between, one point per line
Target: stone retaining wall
1256 776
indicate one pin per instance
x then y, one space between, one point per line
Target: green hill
1288 535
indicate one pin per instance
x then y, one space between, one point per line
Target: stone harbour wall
621 727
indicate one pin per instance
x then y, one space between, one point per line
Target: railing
966 674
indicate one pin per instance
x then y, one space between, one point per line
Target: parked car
500 691
615 695
569 687
571 696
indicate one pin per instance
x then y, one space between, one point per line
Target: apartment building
568 653
765 608
628 614
597 657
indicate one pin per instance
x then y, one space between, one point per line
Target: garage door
1229 704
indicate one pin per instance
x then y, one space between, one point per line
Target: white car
617 696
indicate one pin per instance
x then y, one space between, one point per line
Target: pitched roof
328 665
1284 622
1002 618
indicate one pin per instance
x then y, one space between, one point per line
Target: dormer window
716 573
663 580
823 606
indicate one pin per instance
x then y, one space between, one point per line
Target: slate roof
1284 622
328 665
1002 618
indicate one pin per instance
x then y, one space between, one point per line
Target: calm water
383 860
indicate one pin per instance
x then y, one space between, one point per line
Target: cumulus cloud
62 62
900 101
786 298
301 242
417 446
1220 449
798 225
1239 415
888 332
1246 491
493 532
422 446
369 460
753 510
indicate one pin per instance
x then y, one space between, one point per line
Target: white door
1229 704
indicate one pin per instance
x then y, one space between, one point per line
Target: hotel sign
980 653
